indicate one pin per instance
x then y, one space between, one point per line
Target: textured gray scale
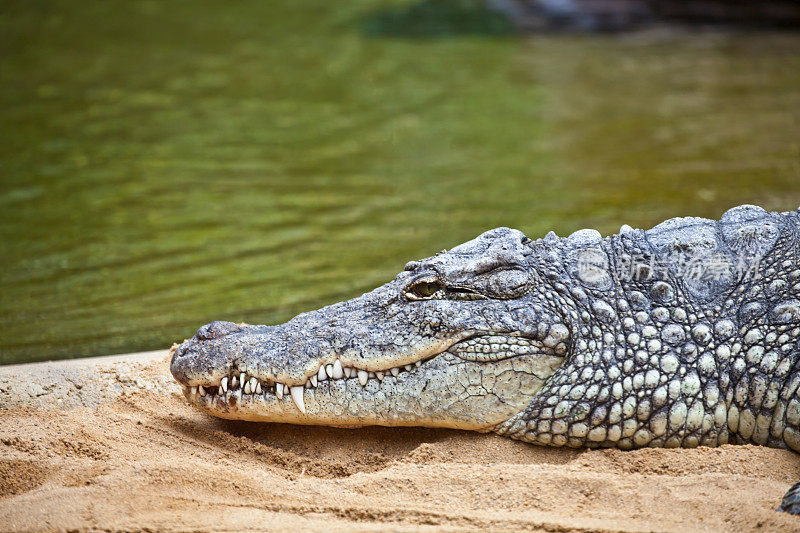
684 335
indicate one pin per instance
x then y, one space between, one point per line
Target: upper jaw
199 362
264 352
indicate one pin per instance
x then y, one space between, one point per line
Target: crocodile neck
663 361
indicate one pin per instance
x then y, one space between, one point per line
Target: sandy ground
110 444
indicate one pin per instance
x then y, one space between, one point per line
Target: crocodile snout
202 353
209 332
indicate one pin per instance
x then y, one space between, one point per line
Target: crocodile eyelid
423 287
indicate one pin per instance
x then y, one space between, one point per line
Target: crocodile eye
423 289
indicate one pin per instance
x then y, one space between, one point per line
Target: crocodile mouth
249 387
240 390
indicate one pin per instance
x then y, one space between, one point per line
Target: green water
166 164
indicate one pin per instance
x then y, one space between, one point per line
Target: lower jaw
343 404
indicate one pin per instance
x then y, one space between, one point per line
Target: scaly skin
683 335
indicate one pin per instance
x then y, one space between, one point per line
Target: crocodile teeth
297 396
337 370
193 390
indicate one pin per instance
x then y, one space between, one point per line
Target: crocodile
683 335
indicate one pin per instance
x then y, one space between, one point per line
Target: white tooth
258 388
348 372
337 370
379 375
193 390
395 371
247 389
329 370
408 367
234 382
279 390
418 364
253 384
362 377
242 379
371 374
201 390
313 380
224 384
307 384
321 375
297 396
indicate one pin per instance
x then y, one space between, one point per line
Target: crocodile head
463 339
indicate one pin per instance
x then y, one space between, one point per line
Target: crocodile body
683 335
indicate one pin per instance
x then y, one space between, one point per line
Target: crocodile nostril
216 329
182 352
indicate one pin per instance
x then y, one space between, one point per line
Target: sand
110 444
